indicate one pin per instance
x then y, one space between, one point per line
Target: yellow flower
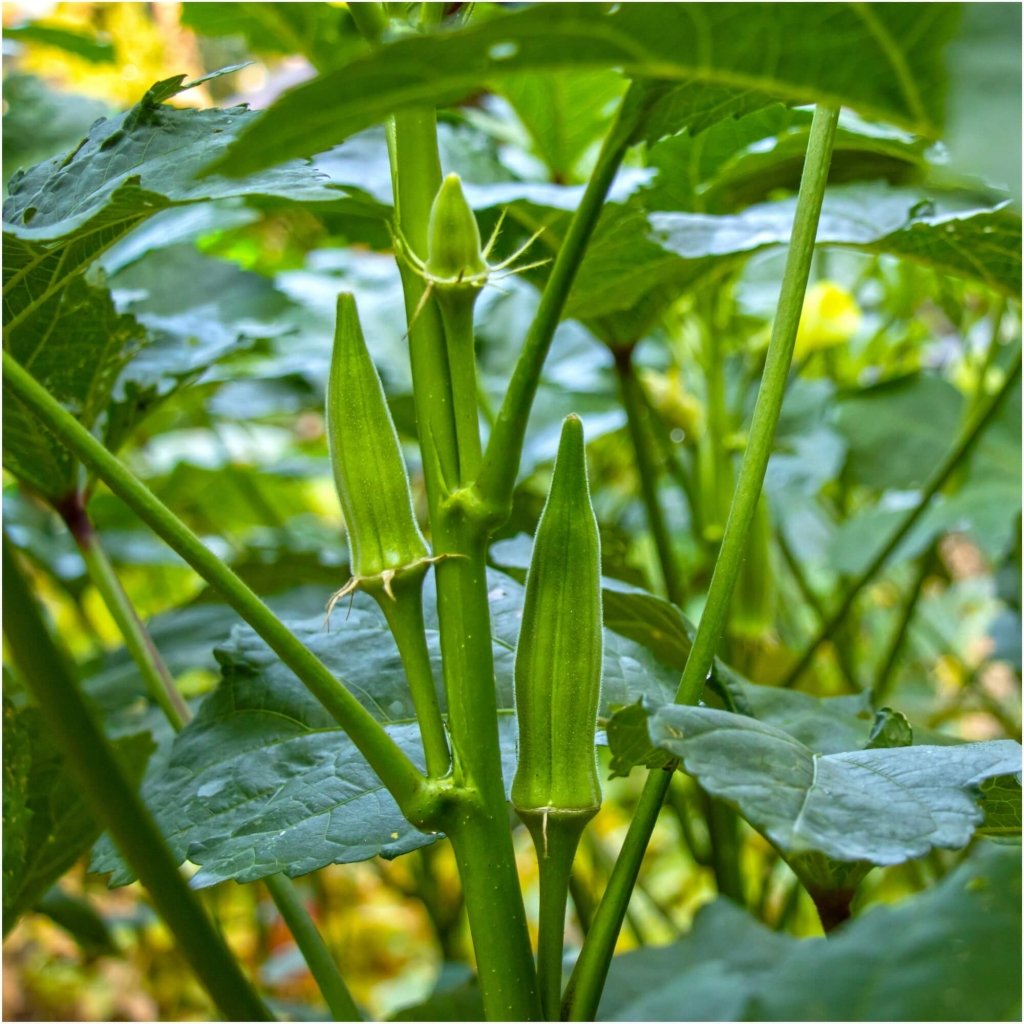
830 316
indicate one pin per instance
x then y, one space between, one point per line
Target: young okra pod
558 658
558 684
373 485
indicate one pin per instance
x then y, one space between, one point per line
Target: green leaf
80 44
564 115
891 729
954 235
876 806
826 725
322 32
1001 805
77 346
854 55
951 953
63 213
263 780
922 412
47 825
742 161
40 121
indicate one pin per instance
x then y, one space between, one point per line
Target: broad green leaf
742 161
81 44
855 55
564 115
77 347
983 133
826 725
39 121
323 33
63 213
263 780
874 806
1001 805
47 825
951 953
922 412
979 240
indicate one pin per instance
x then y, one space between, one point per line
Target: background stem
963 447
505 446
313 948
155 675
636 418
592 966
114 800
161 686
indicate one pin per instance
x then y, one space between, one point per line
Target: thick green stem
416 177
313 948
404 613
155 676
556 836
477 822
636 416
592 966
480 834
968 438
115 801
505 447
387 759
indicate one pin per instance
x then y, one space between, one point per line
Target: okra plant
667 367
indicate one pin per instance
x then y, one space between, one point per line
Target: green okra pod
389 554
558 658
369 471
556 790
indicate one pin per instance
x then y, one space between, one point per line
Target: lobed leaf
715 61
263 780
951 953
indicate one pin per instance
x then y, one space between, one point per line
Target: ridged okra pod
388 552
556 790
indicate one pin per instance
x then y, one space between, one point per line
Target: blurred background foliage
237 300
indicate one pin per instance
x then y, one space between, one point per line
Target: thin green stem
157 679
556 840
313 948
115 801
812 599
587 982
505 446
635 407
161 686
405 618
681 473
592 966
887 666
969 437
457 315
388 760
